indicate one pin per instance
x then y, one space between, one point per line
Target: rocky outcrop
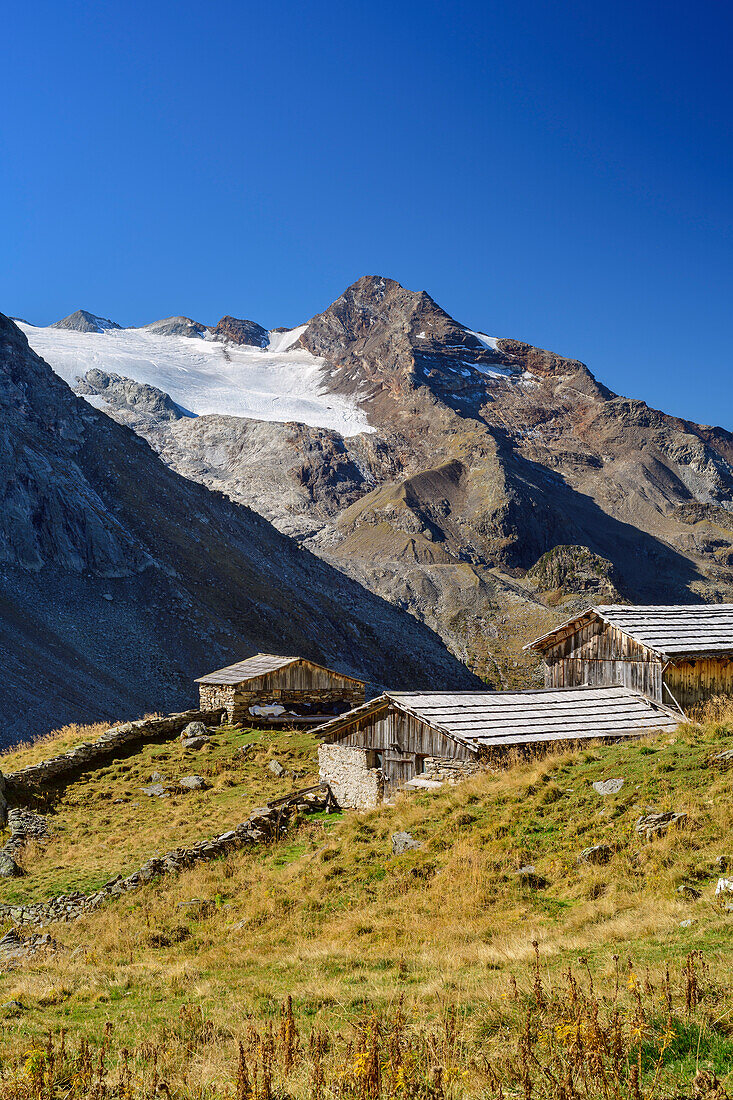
237 331
124 394
177 326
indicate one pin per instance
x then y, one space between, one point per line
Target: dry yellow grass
332 918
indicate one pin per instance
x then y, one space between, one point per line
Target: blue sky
556 172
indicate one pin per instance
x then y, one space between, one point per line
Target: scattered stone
724 887
608 786
276 768
243 750
598 855
193 783
156 777
689 893
195 742
655 824
155 790
687 923
193 729
404 842
722 863
527 876
12 1007
14 948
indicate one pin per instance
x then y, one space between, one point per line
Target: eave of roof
667 631
554 718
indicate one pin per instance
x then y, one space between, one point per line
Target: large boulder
194 729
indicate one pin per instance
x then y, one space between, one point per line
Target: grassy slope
332 918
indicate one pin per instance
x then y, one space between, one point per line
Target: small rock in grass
195 742
687 923
12 1007
193 783
527 876
156 777
724 888
655 824
608 786
598 855
276 768
689 893
722 863
404 842
155 790
193 729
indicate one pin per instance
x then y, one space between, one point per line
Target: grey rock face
155 790
404 842
276 768
608 786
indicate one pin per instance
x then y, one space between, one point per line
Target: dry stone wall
355 785
436 767
90 754
266 823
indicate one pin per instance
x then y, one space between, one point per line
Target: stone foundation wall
212 696
238 701
355 785
440 768
90 754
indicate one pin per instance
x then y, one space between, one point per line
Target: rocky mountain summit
120 580
498 484
83 321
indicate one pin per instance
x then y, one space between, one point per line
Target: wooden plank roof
495 718
675 630
260 665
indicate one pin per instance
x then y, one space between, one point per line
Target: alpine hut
420 738
279 691
677 655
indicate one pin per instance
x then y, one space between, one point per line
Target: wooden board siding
692 682
598 654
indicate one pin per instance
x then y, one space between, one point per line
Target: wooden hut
678 655
421 738
271 690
